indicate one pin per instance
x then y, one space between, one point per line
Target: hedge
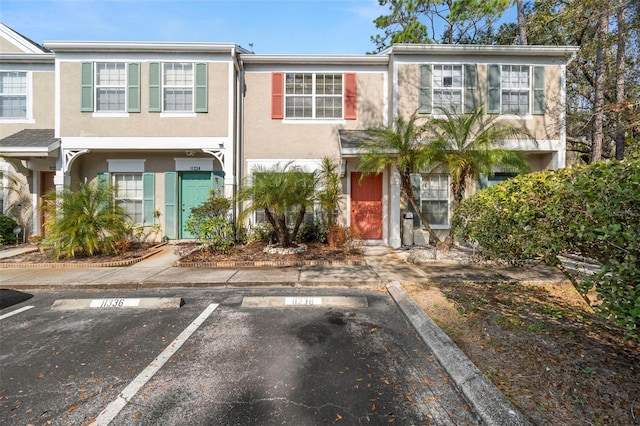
591 211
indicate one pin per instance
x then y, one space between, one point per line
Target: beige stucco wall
542 127
43 100
7 47
214 123
267 138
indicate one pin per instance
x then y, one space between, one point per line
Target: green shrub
86 221
262 232
313 232
209 224
7 224
592 211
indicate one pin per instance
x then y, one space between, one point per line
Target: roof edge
506 50
314 59
141 46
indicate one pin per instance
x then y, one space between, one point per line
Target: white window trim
314 96
510 115
125 165
165 113
28 119
434 107
122 113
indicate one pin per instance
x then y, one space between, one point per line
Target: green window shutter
86 87
170 204
538 91
493 89
148 198
102 177
470 87
426 90
133 89
201 90
155 87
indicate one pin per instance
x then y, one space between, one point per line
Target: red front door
366 205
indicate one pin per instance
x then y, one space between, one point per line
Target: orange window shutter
350 95
277 95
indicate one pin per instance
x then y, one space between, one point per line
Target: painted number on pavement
303 300
114 303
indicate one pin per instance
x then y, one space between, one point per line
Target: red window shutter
350 92
277 95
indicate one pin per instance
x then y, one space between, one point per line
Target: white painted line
17 311
112 410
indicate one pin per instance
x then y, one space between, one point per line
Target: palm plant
401 147
469 145
86 221
329 196
279 191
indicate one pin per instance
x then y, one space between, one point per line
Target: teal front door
195 188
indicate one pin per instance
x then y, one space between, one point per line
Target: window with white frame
129 194
434 195
13 94
515 83
310 95
178 86
447 87
111 86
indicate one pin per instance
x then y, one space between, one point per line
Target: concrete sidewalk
158 272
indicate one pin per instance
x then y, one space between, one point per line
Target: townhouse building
169 122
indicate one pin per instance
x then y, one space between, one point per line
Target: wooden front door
366 205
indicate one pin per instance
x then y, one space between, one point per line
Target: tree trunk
620 80
299 220
522 26
601 68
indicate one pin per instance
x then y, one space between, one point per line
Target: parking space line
17 311
112 410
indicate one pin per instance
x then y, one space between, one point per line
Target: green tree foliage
209 223
281 191
419 21
400 147
86 221
469 145
591 211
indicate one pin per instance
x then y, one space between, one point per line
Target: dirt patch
555 359
45 256
255 252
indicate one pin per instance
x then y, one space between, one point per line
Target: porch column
394 210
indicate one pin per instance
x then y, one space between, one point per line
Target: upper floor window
111 87
515 89
178 87
13 94
313 96
448 87
515 84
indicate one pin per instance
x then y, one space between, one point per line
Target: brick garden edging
277 263
114 263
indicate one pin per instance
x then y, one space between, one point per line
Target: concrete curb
486 400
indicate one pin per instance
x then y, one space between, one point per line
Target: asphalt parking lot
217 361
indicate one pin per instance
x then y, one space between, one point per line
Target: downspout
239 139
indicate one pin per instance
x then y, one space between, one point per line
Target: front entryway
195 188
366 205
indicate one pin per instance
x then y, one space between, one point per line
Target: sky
270 26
